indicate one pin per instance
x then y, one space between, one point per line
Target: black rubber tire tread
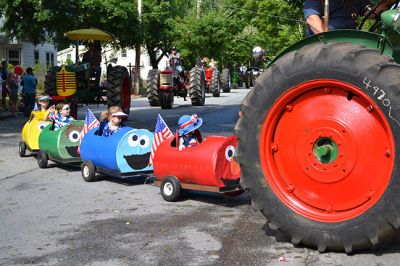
341 61
92 171
116 77
215 83
197 86
167 99
176 188
226 80
152 87
42 159
50 83
22 149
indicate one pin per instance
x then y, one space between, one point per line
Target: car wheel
170 188
88 171
42 159
22 149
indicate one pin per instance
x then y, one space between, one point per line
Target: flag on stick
161 133
90 122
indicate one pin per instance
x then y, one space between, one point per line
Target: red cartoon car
209 166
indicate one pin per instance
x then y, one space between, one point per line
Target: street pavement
52 217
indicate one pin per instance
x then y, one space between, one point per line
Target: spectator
4 90
13 92
29 83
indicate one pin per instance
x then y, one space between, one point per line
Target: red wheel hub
327 150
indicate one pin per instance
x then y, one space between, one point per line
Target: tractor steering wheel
370 11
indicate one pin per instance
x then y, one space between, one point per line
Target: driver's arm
315 23
312 15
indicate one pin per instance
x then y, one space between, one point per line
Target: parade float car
124 154
30 135
209 166
60 146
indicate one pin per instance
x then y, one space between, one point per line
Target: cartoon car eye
74 136
229 152
133 140
42 125
144 141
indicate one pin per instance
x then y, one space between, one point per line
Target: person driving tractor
342 13
175 60
93 57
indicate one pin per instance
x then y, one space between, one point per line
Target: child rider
189 135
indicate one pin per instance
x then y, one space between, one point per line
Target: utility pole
198 8
137 54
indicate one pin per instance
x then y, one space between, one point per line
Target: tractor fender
368 39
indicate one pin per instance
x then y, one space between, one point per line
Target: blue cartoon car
124 154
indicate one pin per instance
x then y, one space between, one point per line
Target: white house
123 57
17 52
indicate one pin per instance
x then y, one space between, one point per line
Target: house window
123 53
14 57
36 56
49 59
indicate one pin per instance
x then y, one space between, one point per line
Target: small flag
90 122
35 107
161 133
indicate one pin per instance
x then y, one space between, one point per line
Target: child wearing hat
43 109
111 121
189 135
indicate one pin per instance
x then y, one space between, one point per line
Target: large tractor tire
215 83
226 80
197 85
50 84
118 89
317 140
153 83
166 99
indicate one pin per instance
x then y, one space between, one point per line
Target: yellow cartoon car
30 135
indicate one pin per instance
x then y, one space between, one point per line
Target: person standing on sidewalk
29 83
12 86
4 90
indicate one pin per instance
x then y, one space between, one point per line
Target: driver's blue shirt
340 17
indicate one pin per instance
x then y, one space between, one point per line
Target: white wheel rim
168 189
86 171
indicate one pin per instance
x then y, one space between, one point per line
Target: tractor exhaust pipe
326 16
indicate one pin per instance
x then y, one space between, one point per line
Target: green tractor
78 83
319 138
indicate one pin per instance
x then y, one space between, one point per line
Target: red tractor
163 85
215 82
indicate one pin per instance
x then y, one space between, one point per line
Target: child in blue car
111 121
189 135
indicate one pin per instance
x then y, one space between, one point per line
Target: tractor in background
319 137
79 84
215 81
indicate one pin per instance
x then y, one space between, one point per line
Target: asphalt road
52 217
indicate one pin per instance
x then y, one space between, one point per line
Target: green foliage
47 20
226 29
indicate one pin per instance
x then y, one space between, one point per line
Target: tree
47 20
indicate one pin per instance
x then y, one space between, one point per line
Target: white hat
119 114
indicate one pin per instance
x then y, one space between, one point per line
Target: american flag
161 133
35 107
90 122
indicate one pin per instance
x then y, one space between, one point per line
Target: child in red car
189 135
